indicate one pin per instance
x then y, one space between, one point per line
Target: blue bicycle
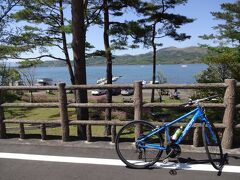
139 144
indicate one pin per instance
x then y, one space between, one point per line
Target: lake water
176 73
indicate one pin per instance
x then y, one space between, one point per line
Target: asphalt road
37 162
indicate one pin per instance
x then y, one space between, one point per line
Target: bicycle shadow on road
188 164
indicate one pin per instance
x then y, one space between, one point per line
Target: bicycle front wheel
212 145
137 153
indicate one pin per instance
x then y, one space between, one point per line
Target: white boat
104 80
115 78
127 92
184 66
98 92
101 80
156 82
44 82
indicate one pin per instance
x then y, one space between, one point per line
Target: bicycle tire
213 148
130 153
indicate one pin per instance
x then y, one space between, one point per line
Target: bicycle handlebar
191 102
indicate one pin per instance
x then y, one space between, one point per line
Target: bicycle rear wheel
133 154
212 145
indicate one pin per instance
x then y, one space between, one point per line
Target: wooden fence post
197 137
137 101
43 131
63 111
89 133
230 113
21 131
2 125
113 133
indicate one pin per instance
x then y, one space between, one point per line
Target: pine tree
227 54
78 44
6 7
112 30
223 59
46 26
228 32
158 22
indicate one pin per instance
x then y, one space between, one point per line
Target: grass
47 114
32 113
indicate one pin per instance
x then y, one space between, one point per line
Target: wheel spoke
138 155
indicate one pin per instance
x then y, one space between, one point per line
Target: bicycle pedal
173 172
165 161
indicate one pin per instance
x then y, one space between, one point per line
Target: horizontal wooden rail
98 122
110 105
178 105
184 86
32 121
121 123
237 126
101 105
105 86
31 105
238 106
122 86
103 122
28 88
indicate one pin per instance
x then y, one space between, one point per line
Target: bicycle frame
197 113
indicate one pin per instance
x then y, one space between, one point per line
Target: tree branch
94 14
39 57
9 8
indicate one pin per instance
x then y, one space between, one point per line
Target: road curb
98 144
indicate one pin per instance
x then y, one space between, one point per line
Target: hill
170 55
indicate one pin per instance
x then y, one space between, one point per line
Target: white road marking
112 162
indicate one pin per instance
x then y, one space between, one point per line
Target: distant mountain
170 55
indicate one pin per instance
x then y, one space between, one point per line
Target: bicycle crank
173 150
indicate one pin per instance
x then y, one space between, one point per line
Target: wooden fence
227 124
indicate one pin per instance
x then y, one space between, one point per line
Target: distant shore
170 55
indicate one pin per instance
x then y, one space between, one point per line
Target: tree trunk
64 42
154 59
78 44
109 64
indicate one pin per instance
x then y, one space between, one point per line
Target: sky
196 9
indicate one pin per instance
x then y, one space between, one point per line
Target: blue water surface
175 73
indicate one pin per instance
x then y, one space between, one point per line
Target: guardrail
229 105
